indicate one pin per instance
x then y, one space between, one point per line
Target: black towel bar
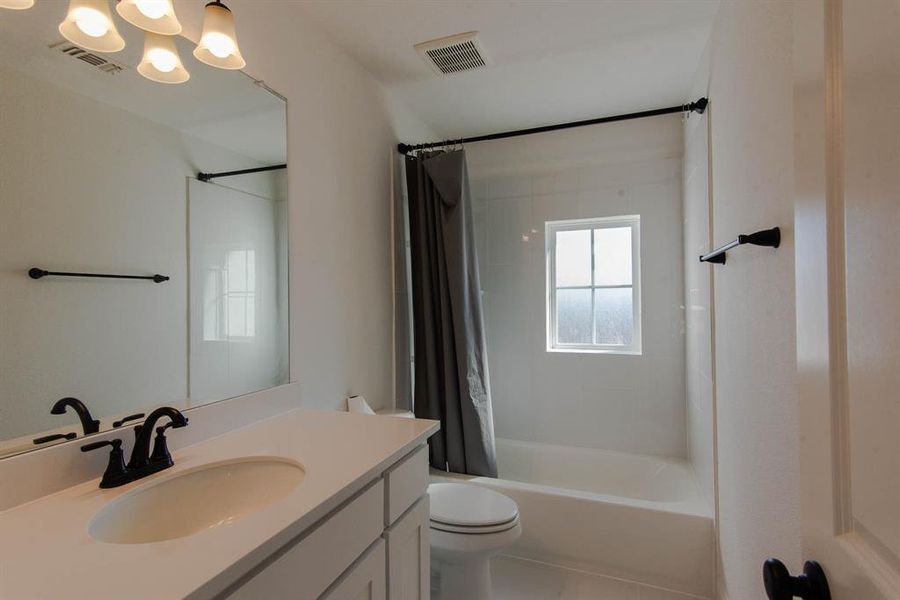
765 237
36 273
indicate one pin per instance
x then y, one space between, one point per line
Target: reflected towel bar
765 237
56 436
210 176
36 273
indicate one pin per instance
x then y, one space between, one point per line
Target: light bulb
153 9
89 25
91 21
219 44
155 16
16 4
162 60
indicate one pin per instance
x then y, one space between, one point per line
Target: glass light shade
218 45
89 24
16 4
161 62
157 16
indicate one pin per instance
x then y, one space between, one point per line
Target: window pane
614 315
236 323
237 270
612 256
573 316
573 258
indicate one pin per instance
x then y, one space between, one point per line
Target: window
229 298
593 285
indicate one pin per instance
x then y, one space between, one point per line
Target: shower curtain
451 371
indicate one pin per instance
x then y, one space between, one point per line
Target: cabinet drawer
404 483
364 580
305 569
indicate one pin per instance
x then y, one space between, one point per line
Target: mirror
99 175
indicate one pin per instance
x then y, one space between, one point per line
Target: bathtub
629 516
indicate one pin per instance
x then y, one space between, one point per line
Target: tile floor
520 579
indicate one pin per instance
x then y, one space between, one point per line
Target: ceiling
554 60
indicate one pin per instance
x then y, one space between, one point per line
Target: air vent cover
95 60
454 54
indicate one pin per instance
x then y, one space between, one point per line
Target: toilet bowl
469 525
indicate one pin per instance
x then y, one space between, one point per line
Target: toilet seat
470 510
478 530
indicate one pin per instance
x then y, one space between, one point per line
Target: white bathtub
635 517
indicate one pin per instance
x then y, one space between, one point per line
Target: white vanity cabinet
408 554
374 546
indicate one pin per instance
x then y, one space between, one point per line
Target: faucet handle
116 444
123 420
116 474
56 436
160 456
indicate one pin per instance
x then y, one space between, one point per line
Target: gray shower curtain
451 371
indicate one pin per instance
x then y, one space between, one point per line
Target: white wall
751 87
699 315
616 402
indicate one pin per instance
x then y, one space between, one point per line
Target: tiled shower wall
609 401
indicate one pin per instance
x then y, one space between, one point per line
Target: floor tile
521 579
650 593
517 579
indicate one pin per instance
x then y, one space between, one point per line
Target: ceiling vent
95 60
454 54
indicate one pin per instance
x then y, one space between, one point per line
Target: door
847 227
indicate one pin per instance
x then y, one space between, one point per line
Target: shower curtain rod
698 107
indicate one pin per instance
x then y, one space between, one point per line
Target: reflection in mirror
98 171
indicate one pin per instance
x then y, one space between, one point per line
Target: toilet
469 525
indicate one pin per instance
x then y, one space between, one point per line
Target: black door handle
780 585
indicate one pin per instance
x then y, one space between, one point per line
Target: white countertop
47 552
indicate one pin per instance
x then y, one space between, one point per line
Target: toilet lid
470 505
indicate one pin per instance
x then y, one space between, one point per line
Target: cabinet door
309 566
364 580
408 554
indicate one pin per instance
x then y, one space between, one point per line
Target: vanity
329 505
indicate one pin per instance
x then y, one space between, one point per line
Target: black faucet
88 423
140 463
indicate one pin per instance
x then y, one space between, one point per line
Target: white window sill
594 351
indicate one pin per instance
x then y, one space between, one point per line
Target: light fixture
157 16
89 24
16 4
161 62
218 45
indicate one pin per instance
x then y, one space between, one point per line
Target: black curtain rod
698 107
209 176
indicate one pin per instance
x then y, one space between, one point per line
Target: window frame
551 228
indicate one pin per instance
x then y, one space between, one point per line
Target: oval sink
201 498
